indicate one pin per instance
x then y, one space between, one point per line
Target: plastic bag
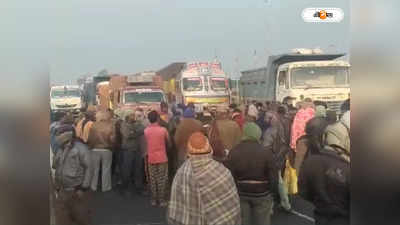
290 179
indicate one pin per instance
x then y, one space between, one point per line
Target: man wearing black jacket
325 179
255 174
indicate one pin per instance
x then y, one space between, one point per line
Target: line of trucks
298 75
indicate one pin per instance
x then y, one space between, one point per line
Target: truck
299 75
200 83
141 90
66 98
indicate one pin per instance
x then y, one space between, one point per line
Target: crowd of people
228 165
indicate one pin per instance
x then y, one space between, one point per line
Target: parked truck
201 83
141 90
297 75
66 98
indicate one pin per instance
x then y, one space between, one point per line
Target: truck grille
334 105
66 106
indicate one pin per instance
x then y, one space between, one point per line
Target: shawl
203 193
299 125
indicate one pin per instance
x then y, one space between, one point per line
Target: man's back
156 137
325 181
229 132
101 135
250 161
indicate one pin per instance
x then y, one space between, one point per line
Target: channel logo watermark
322 15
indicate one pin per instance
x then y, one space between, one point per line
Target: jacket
250 161
73 167
102 135
130 135
229 132
186 127
274 140
325 181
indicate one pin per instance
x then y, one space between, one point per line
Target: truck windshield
61 93
192 84
218 83
315 77
135 97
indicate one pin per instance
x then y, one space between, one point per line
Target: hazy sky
79 36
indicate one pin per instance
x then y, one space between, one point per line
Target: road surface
112 209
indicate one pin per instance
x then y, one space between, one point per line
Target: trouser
103 157
172 162
256 210
181 158
325 220
132 161
158 180
71 209
116 167
283 193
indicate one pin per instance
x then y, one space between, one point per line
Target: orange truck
140 90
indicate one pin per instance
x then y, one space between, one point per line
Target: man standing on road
83 127
186 127
254 171
131 132
226 131
157 139
72 180
101 140
203 191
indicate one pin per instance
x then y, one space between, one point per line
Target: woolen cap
198 144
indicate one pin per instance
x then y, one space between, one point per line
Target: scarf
203 193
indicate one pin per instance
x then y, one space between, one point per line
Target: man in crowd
238 117
325 178
53 128
173 150
203 191
157 139
305 113
84 125
254 171
72 180
274 140
101 140
252 112
225 131
131 156
187 126
311 142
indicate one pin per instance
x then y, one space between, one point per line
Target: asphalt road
112 209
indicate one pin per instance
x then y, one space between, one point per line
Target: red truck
141 90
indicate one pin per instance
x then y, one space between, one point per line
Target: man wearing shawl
305 113
203 191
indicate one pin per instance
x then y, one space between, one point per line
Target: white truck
67 98
299 75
